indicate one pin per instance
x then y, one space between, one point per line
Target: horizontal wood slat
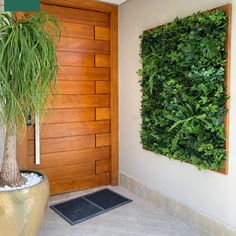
103 87
102 33
69 115
80 101
102 60
75 59
70 171
63 144
71 129
77 30
75 87
80 183
103 166
73 157
85 4
70 161
103 113
83 73
78 16
83 45
103 140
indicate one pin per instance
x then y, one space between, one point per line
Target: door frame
112 10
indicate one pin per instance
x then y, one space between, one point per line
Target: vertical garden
183 89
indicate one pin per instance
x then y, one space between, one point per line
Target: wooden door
78 141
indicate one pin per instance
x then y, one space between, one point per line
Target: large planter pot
21 211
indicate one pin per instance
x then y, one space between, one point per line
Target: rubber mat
85 207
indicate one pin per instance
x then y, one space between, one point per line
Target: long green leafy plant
184 96
28 69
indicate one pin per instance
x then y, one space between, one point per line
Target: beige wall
205 191
1 5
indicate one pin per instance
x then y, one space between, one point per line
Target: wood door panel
103 87
102 60
78 135
80 101
83 45
103 113
103 166
55 145
70 171
72 15
69 115
72 157
71 129
83 73
75 59
77 30
102 33
103 140
75 87
79 183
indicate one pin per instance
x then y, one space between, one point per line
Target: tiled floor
135 219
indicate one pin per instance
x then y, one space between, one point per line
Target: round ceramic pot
22 211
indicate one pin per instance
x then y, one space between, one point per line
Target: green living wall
183 91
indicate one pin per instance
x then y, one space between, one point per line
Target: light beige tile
194 219
138 218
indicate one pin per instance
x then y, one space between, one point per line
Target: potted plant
28 70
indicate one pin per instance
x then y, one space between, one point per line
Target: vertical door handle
37 140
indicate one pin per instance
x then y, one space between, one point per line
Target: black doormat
85 207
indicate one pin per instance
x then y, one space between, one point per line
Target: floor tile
137 218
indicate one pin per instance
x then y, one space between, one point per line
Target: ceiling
118 2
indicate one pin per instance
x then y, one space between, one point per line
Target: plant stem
10 174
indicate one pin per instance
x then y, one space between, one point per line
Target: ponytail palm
28 69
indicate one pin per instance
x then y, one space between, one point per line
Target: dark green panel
21 5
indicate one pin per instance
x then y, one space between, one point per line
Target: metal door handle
37 140
29 120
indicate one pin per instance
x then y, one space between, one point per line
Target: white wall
1 5
208 192
114 1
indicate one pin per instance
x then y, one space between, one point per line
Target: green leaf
183 91
28 67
